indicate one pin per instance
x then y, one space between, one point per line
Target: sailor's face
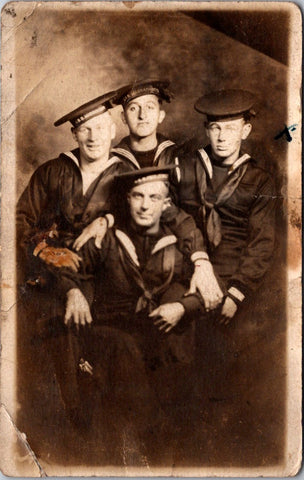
147 201
94 137
143 115
226 137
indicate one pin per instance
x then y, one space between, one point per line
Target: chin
144 133
143 223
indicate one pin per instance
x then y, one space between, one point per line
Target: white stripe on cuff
236 293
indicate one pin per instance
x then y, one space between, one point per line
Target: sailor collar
129 246
208 164
107 165
127 153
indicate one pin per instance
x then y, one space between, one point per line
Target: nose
92 134
222 135
141 113
145 203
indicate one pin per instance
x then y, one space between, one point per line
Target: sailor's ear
162 115
113 130
123 117
167 203
206 125
246 130
73 130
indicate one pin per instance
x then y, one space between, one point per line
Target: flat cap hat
226 103
144 175
148 87
89 110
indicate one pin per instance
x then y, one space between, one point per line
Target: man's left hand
167 315
228 311
204 281
97 229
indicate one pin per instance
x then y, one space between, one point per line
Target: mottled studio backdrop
64 58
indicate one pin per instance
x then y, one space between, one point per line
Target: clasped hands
204 281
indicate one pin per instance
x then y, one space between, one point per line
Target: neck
153 230
92 166
143 144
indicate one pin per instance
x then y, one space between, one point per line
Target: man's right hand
77 309
60 257
205 282
97 229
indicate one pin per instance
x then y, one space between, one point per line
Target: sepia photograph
151 239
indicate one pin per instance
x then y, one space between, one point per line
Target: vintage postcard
151 239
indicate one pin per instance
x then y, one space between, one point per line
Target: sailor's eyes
153 198
215 128
135 108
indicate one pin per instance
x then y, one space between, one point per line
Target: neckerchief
235 174
128 258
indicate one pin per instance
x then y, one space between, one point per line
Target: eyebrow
152 101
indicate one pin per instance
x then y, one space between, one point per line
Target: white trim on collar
238 163
107 165
207 162
72 157
161 147
163 243
127 154
128 245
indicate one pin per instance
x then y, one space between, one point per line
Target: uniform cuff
236 294
199 256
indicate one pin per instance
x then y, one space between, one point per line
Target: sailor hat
89 110
224 104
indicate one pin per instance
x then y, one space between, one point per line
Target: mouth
93 147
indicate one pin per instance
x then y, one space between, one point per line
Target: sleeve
183 226
84 279
192 304
175 293
257 256
31 210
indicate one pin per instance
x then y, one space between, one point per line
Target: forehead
151 188
100 120
234 123
143 100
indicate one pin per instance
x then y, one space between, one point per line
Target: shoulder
120 166
189 147
59 163
258 180
257 173
124 144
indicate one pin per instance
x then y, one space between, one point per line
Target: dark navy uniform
234 206
142 373
54 207
244 200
